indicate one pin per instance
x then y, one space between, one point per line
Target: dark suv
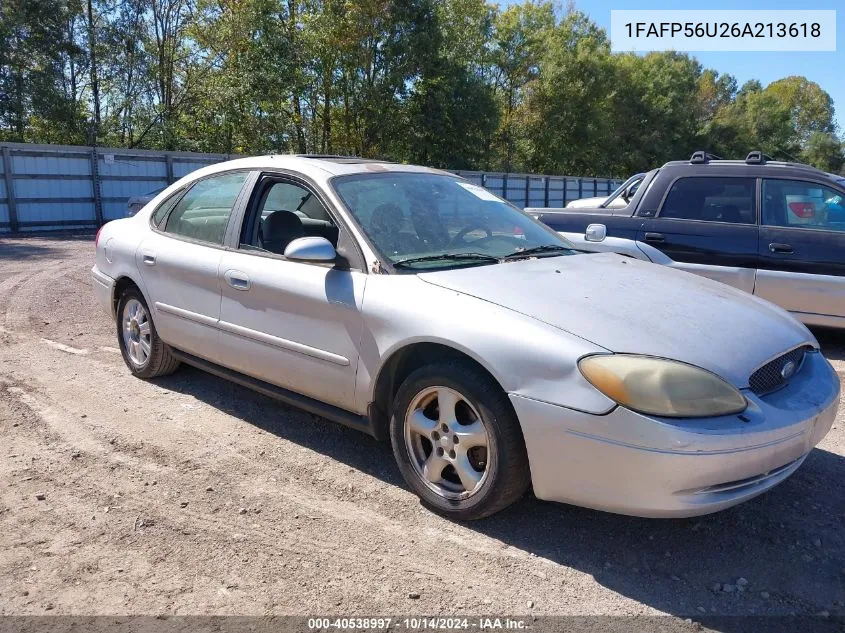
773 229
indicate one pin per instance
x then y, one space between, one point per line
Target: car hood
628 306
586 203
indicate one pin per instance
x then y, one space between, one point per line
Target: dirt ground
190 495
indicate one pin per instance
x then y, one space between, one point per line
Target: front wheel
146 355
457 441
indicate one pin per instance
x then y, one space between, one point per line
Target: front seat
386 227
774 210
279 229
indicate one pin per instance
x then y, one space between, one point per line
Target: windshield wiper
456 257
536 250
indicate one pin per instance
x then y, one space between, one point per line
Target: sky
825 68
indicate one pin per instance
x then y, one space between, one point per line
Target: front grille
770 378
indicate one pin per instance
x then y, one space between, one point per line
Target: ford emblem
787 370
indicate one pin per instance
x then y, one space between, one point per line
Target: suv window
801 204
284 212
203 212
711 199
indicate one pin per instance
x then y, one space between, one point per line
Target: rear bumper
104 290
629 463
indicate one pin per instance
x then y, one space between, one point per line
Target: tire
146 355
434 465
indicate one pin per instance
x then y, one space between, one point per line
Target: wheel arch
120 285
398 366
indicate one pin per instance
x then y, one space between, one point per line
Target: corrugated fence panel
57 214
183 167
542 191
132 167
4 207
125 189
47 164
47 188
53 184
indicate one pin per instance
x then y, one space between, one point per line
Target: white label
725 30
479 192
108 158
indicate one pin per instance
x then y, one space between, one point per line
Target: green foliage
451 83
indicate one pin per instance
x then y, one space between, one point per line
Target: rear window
711 199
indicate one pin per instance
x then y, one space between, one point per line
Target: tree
825 151
564 122
34 47
810 108
519 39
451 116
452 83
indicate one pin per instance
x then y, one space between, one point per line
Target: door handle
237 279
774 247
148 258
654 237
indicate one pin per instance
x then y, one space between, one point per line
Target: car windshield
423 221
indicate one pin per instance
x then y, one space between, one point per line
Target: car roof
756 164
318 167
770 169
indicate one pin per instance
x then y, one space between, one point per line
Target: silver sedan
418 307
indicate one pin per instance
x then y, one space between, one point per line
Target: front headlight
657 386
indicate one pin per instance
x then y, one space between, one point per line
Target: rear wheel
457 441
146 355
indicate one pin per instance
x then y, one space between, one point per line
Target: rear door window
711 199
802 204
203 212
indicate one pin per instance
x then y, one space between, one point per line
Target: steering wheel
469 229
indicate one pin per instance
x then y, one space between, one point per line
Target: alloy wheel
448 443
137 335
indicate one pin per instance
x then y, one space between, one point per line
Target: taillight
803 209
97 237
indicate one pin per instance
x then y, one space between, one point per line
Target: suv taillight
97 237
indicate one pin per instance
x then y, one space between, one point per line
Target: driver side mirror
595 233
311 249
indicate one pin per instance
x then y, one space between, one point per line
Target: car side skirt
330 412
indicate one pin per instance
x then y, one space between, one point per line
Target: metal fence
531 190
46 187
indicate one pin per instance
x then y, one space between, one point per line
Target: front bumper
630 463
103 290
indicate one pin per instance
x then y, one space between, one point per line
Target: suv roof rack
754 158
757 157
700 157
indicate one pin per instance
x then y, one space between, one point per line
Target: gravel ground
190 495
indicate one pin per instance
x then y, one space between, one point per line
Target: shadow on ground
39 246
26 250
788 544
